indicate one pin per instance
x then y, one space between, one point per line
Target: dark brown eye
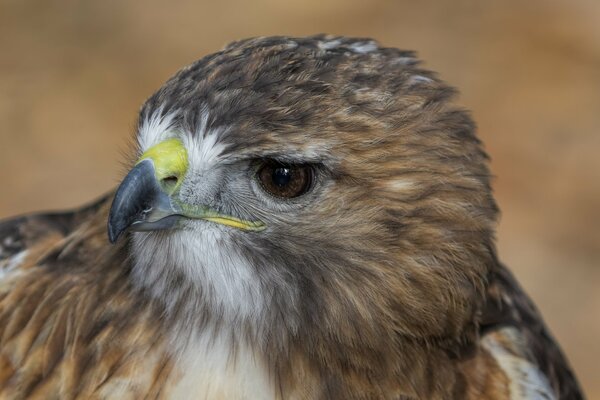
285 180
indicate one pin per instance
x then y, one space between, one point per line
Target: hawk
303 218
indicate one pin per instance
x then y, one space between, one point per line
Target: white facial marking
203 145
155 128
526 381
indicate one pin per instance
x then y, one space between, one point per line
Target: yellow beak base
170 160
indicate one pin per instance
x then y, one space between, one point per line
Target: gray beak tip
140 204
135 195
113 234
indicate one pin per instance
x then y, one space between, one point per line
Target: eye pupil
285 181
282 176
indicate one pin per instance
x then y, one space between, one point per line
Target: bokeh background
74 73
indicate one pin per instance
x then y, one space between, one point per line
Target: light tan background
73 74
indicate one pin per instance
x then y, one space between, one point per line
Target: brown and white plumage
378 281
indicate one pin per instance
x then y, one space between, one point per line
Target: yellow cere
170 159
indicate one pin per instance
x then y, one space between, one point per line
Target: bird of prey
303 218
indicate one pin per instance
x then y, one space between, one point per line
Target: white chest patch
211 370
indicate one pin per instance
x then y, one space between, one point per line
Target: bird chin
204 255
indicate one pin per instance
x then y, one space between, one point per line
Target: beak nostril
169 182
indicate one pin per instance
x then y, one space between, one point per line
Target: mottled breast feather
70 326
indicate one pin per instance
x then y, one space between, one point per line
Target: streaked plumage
380 282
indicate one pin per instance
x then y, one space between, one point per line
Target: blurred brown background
73 74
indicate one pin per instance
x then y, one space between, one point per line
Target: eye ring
283 180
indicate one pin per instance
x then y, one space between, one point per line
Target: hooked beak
140 204
146 201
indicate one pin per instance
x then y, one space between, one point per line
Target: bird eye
285 180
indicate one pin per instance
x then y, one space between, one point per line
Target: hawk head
321 191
